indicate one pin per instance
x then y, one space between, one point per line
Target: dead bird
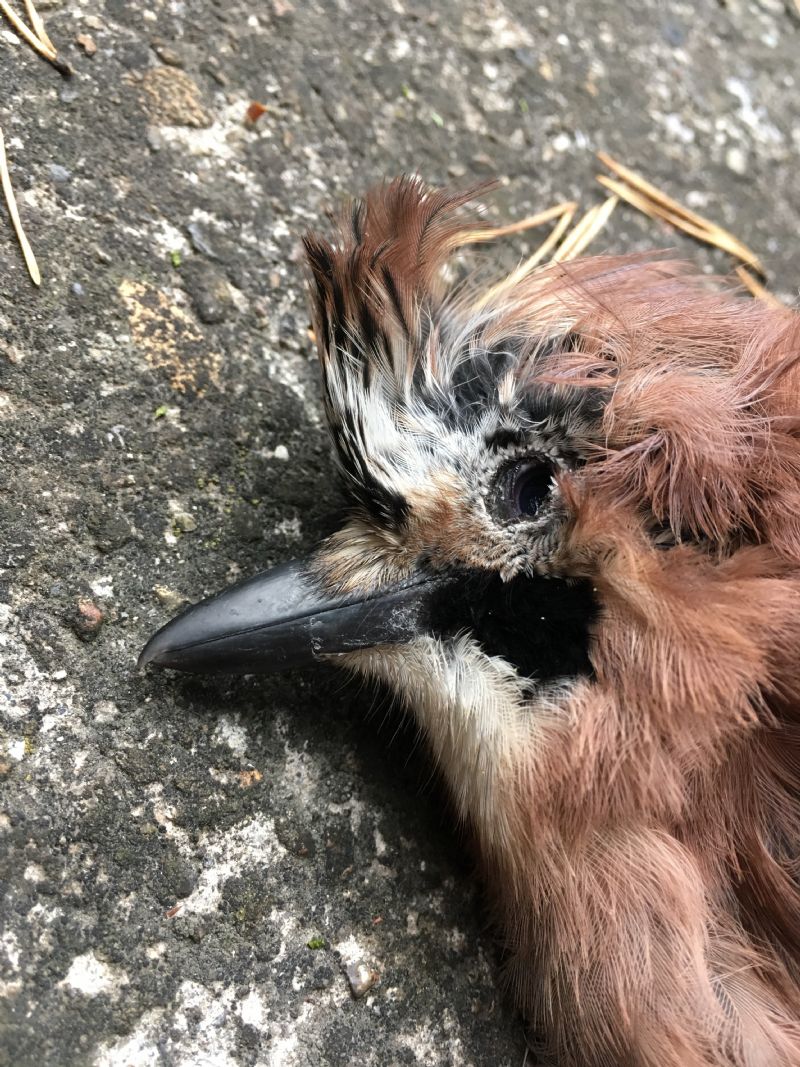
574 552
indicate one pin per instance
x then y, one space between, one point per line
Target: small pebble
58 173
10 352
736 159
166 54
361 978
170 598
86 620
87 43
199 242
59 676
183 521
155 139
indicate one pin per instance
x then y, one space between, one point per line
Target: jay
573 552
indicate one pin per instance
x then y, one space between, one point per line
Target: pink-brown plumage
644 864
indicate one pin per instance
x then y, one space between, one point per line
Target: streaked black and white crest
414 369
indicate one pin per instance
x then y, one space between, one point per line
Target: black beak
282 618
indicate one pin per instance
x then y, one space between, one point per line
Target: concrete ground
189 866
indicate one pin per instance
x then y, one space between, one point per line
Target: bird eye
527 485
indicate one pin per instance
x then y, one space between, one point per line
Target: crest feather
375 296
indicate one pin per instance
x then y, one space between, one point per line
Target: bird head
565 490
452 462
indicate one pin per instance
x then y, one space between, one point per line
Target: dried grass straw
757 289
37 23
39 41
37 36
8 193
565 213
644 196
529 223
585 231
635 190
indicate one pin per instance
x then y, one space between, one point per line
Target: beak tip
153 654
145 657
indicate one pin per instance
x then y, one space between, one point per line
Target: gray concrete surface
169 848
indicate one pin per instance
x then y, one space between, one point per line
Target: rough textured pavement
189 866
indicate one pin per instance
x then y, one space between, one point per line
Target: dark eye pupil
530 486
